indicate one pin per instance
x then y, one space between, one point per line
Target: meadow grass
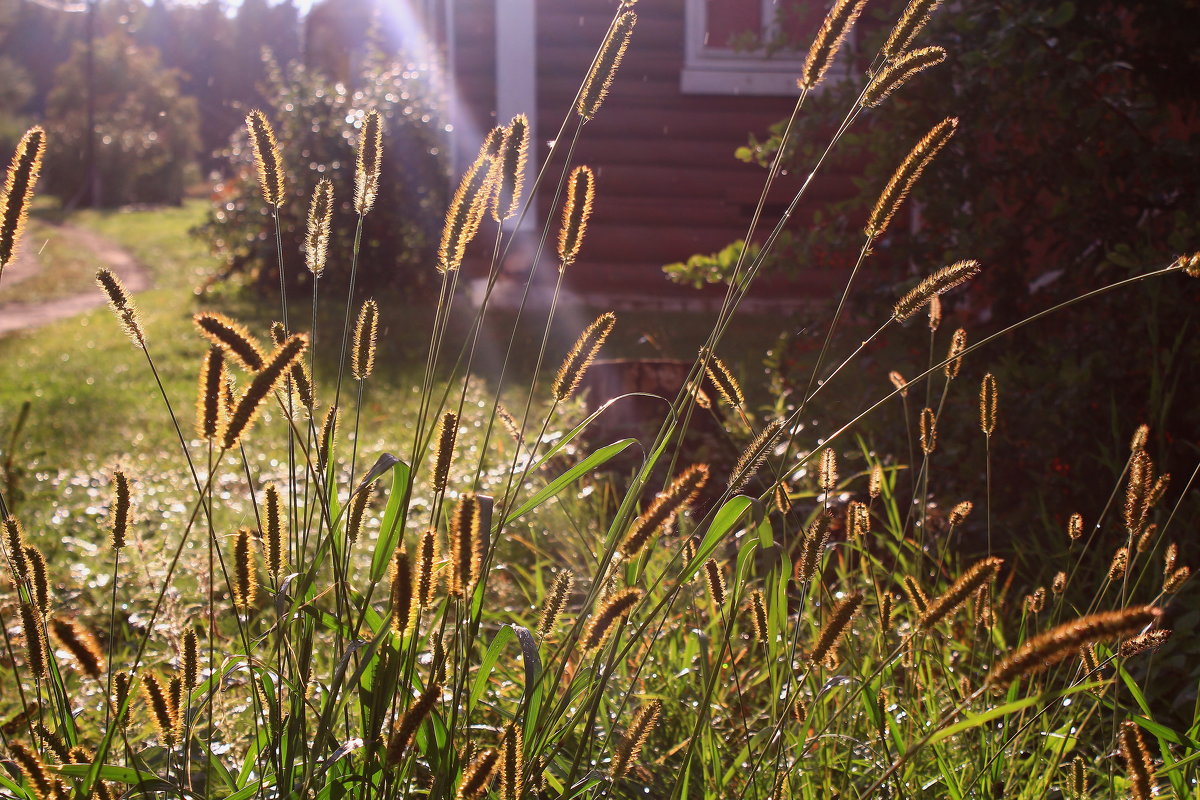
480 613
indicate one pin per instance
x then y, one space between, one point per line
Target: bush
146 131
317 121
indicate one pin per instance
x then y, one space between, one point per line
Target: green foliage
316 122
700 270
145 134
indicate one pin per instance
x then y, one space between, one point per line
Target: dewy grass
472 617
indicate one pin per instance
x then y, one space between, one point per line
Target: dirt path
22 316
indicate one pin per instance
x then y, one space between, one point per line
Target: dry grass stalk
577 209
267 157
608 59
898 72
1054 645
904 178
667 505
580 357
630 746
830 35
978 574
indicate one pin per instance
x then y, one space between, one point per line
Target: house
698 77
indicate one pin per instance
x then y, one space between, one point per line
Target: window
753 47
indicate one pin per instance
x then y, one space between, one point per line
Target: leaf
389 529
502 638
729 515
601 456
975 720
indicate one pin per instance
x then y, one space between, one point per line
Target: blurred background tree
146 130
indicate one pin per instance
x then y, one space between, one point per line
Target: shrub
318 123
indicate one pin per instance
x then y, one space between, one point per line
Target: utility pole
93 174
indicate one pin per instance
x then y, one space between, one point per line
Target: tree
145 129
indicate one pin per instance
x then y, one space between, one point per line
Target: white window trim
724 70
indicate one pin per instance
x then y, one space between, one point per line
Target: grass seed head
32 625
1059 584
827 474
466 545
320 220
264 382
898 72
511 763
938 283
902 181
466 211
328 436
631 744
232 337
581 192
758 615
899 382
721 378
928 431
960 512
829 39
958 343
273 530
714 578
754 456
190 659
659 515
80 643
555 603
443 456
1052 646
245 587
513 154
14 543
1077 787
609 612
159 699
1118 565
1173 582
54 743
358 508
978 574
208 394
875 482
369 163
916 15
989 399
477 775
122 306
39 579
916 595
1144 642
406 729
427 579
267 157
858 519
402 592
366 334
34 770
835 627
1139 764
816 536
608 60
886 602
19 180
1075 526
581 356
